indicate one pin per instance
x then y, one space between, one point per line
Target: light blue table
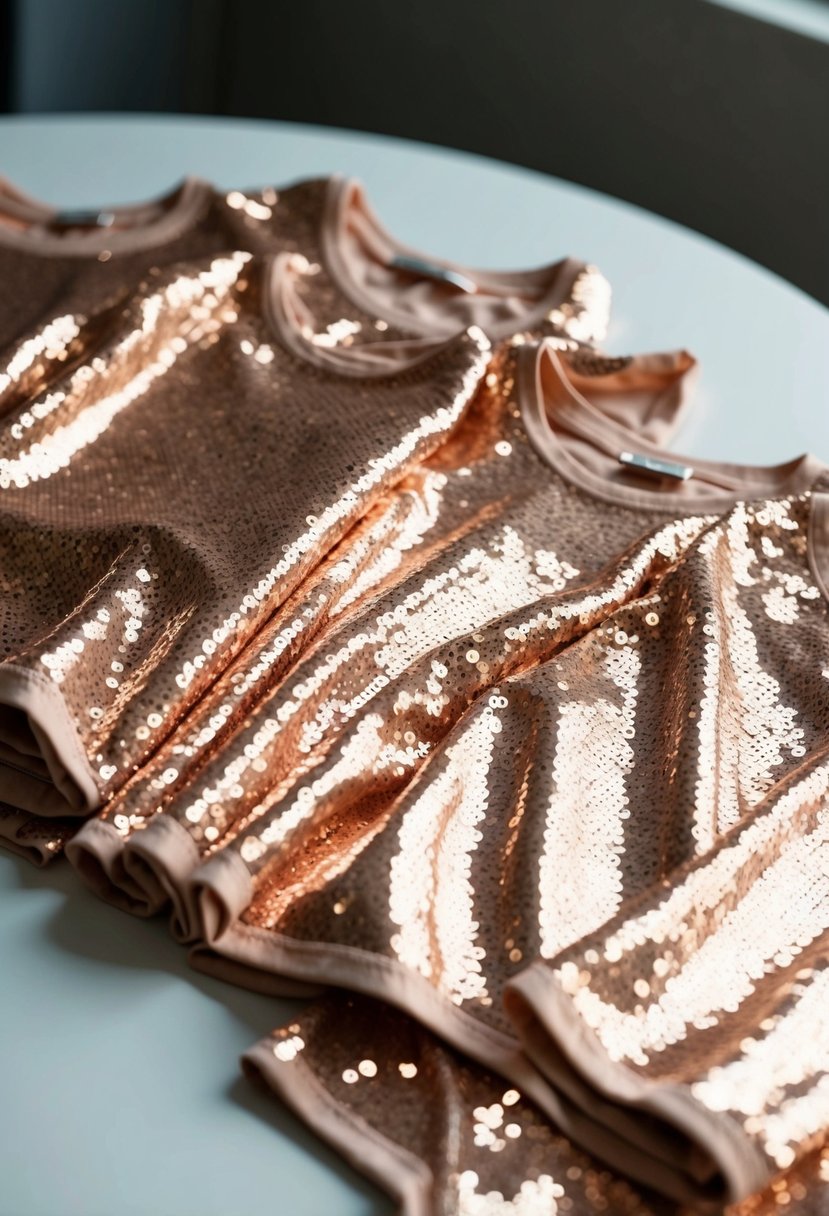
119 1088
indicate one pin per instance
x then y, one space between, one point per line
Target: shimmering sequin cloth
446 1137
465 821
394 664
648 811
193 373
351 686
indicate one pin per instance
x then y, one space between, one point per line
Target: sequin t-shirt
685 1041
646 810
361 676
163 499
352 265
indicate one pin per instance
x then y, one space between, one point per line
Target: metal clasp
656 466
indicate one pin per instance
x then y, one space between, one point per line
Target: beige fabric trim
170 215
545 288
26 789
398 1172
220 891
541 363
206 961
96 853
159 860
569 1054
819 541
74 789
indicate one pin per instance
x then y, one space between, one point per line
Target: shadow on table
86 926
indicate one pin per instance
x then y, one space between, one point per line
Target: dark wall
6 52
81 55
691 110
686 107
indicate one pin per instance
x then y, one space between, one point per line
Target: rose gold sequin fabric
391 677
583 773
101 349
507 846
165 497
479 563
710 981
446 1137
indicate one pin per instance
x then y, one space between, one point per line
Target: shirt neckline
341 193
583 419
178 208
378 360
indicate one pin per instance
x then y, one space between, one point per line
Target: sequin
433 1124
177 618
529 824
222 313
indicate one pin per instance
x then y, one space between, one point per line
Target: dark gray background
707 115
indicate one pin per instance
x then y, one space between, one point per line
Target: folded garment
418 610
361 285
699 1018
441 1134
163 499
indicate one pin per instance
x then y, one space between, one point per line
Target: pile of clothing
355 617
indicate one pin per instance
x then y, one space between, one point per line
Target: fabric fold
433 1129
699 1017
483 487
44 767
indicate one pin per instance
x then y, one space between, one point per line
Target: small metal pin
83 219
656 466
428 270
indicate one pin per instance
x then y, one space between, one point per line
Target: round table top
121 1086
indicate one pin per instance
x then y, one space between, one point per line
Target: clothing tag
656 466
83 219
428 270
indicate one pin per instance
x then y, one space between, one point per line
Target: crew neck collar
171 214
548 287
546 391
293 327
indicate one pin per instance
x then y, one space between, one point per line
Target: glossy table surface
119 1084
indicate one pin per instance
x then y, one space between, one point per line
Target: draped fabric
355 617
